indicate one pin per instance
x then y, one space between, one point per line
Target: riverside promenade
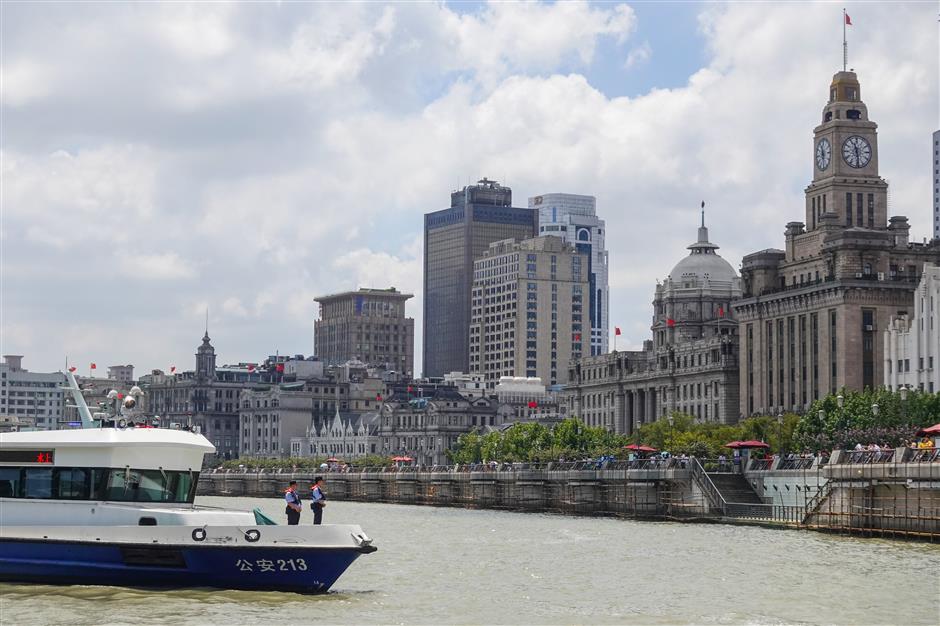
893 494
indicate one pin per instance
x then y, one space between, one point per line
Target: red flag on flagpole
721 311
93 366
172 368
848 20
617 331
670 322
72 369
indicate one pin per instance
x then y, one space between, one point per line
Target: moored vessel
113 503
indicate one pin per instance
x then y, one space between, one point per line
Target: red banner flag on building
670 322
533 404
617 331
721 311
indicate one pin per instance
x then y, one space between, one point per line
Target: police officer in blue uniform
293 508
318 500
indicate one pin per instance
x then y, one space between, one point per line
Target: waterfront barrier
893 493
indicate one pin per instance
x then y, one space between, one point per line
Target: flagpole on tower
845 45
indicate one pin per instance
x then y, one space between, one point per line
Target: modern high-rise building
936 184
912 343
812 315
528 310
574 219
368 324
453 238
31 396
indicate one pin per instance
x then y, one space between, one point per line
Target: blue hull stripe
302 569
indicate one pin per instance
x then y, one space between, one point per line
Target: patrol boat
112 504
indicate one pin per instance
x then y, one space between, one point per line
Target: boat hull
306 559
299 569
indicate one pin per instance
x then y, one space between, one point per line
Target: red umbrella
733 444
399 459
637 448
929 431
332 459
752 443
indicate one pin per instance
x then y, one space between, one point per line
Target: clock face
856 151
823 153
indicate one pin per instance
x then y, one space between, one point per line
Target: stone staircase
734 488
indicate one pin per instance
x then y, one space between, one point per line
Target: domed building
690 365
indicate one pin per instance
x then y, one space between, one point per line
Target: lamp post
671 421
904 391
841 402
780 433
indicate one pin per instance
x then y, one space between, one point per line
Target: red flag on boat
72 369
280 367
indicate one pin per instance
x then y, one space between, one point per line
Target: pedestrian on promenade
293 508
317 500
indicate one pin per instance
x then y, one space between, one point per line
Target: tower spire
703 214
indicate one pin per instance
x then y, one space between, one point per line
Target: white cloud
248 158
638 55
155 266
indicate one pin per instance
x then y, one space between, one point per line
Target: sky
161 160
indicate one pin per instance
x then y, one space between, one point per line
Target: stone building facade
369 325
207 397
912 342
812 314
453 238
347 437
690 364
424 428
529 314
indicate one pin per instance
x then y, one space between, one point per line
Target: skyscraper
936 184
574 219
528 310
478 215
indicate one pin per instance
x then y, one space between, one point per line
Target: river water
443 565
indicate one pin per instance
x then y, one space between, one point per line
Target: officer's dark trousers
317 514
293 517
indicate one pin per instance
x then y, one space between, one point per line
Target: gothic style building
812 313
690 365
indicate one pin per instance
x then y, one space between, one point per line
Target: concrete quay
850 495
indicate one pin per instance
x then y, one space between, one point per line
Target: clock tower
846 183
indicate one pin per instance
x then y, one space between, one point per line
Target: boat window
38 482
97 483
9 482
73 483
